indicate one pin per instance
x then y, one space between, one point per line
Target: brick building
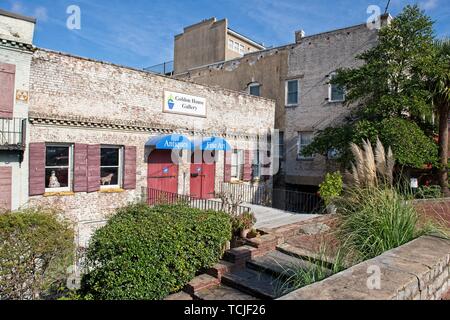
297 76
99 135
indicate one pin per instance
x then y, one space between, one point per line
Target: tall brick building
297 76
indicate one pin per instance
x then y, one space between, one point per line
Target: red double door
163 177
203 177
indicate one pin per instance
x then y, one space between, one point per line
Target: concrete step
306 255
278 264
254 283
222 293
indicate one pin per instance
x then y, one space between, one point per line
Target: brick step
279 265
240 255
222 293
220 268
201 282
306 255
258 284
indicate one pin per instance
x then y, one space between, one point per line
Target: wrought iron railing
283 199
155 197
12 134
165 68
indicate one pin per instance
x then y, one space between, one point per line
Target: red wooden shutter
247 165
80 169
7 86
129 179
227 167
5 188
37 169
93 165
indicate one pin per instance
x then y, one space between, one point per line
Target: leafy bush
376 220
332 187
35 251
149 253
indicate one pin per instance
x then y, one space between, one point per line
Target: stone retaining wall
418 270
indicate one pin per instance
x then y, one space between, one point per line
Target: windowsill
292 105
112 190
59 194
305 159
336 101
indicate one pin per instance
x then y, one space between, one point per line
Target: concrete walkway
273 218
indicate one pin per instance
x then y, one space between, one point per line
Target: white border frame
69 187
330 89
121 167
286 87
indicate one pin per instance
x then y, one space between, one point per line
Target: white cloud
429 4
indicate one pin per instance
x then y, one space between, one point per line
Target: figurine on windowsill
107 180
54 183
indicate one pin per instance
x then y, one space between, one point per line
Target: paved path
273 218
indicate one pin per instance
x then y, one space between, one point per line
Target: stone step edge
245 289
305 255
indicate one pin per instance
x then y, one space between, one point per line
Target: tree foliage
388 89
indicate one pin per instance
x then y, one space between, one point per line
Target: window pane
230 44
56 178
109 176
293 86
337 93
57 156
255 90
109 157
293 98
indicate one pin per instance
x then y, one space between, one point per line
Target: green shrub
332 187
35 251
149 253
377 220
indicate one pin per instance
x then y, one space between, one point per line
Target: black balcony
12 134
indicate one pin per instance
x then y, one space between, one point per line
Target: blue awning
170 142
211 144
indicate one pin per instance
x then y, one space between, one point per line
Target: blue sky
140 33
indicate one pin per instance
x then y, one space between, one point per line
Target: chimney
386 19
299 35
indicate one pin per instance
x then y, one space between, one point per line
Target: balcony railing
165 68
12 134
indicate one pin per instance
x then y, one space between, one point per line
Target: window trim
120 167
287 93
69 187
299 146
330 90
240 165
253 85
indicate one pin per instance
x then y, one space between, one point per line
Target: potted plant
244 223
330 189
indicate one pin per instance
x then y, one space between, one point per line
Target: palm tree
440 88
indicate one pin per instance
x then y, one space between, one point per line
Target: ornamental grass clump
376 220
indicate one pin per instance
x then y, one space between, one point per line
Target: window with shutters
58 168
111 167
237 165
256 164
